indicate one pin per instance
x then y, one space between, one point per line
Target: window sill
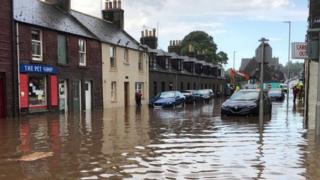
82 66
113 70
63 65
126 63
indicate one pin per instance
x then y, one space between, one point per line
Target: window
113 91
37 91
171 86
112 53
189 87
179 65
140 61
126 55
181 86
152 63
36 37
163 86
140 88
82 52
194 86
155 88
62 49
167 63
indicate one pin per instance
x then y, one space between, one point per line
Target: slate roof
175 56
161 52
106 31
48 16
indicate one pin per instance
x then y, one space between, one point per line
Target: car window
167 95
245 96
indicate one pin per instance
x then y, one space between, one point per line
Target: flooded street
188 143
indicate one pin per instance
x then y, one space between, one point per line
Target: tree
201 45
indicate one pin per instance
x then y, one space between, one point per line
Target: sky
235 25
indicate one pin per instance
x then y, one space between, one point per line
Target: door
126 94
77 96
2 97
63 96
87 85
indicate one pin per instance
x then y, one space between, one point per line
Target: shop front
38 88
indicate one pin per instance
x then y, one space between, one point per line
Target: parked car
246 102
284 88
204 95
189 94
170 99
276 95
154 99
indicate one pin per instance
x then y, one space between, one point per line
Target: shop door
63 96
2 97
126 94
77 96
88 94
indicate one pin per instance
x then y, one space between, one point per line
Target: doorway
76 96
126 94
2 97
63 95
87 85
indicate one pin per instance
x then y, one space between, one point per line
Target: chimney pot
119 4
150 33
154 32
173 43
115 3
107 5
142 33
110 5
147 33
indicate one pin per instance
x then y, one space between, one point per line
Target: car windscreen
167 95
245 96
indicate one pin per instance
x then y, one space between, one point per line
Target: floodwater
187 143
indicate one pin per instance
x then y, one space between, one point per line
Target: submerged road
187 143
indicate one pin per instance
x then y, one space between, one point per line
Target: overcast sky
236 25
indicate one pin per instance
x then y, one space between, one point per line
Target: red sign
24 91
54 90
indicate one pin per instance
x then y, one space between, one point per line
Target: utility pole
261 103
289 47
234 60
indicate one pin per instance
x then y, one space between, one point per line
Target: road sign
299 50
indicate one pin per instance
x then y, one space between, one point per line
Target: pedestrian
295 93
138 98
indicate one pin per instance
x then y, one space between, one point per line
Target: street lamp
289 46
262 61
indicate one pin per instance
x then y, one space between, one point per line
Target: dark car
276 95
246 102
154 99
204 95
170 99
189 94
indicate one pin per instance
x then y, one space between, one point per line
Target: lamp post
261 103
289 45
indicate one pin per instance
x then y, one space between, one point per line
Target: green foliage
202 46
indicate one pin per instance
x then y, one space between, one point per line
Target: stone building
169 71
272 72
59 59
125 67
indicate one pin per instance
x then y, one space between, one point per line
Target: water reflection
141 143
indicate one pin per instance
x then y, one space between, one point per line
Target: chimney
175 47
149 38
114 13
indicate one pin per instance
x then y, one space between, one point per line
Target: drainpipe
18 66
15 64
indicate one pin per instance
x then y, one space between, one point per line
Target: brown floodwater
186 143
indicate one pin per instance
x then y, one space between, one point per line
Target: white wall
119 74
313 87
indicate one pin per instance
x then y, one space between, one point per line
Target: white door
88 95
63 96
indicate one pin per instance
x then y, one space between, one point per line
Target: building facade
311 68
125 69
169 71
59 59
7 95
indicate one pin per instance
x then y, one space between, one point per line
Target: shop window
37 92
140 88
126 55
112 53
36 36
171 86
62 49
113 91
140 61
82 52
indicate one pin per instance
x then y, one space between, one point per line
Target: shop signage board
38 68
299 50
